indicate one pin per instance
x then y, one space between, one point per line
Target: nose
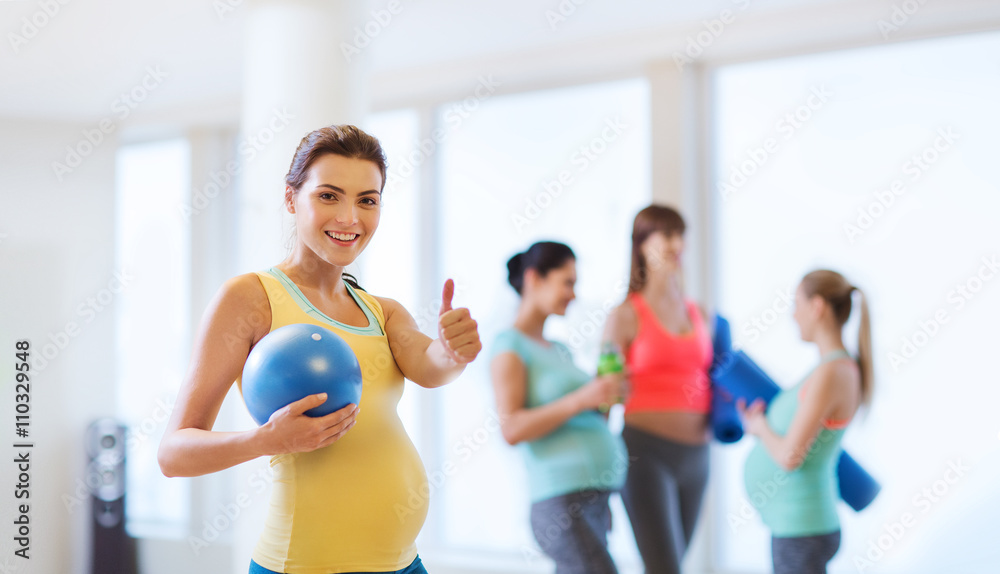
346 214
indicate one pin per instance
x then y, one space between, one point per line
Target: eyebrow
337 189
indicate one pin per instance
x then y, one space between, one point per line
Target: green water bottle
609 362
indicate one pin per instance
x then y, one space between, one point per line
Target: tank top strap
833 356
278 298
642 310
694 315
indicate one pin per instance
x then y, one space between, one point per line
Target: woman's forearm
437 368
195 452
535 423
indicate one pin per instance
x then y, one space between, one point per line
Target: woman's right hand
290 430
602 392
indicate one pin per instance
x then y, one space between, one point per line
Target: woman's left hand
754 419
457 330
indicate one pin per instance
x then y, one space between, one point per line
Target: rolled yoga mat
735 376
726 424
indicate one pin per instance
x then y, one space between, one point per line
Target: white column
680 147
679 142
296 79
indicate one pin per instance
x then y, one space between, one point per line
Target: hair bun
515 271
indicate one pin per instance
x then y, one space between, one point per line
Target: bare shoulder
624 315
622 325
243 293
389 306
240 303
394 312
846 370
835 377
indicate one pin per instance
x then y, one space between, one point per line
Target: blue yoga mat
726 424
735 376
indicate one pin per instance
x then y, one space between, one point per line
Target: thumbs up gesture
457 330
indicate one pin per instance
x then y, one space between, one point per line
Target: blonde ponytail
865 352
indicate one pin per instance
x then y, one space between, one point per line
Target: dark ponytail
543 257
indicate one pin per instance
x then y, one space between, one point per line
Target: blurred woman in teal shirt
551 410
791 472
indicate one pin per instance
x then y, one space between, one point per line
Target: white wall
56 251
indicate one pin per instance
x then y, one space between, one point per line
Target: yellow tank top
358 504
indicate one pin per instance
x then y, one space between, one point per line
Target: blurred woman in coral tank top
668 350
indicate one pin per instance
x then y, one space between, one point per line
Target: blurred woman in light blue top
552 410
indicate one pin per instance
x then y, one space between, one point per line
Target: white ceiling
89 52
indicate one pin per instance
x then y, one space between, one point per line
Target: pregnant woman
551 409
799 437
341 499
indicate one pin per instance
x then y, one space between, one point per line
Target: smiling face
663 251
337 208
553 292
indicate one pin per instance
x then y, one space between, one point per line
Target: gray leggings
662 494
804 554
572 530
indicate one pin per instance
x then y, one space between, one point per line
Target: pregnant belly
362 500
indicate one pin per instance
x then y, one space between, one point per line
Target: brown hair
344 140
836 291
647 222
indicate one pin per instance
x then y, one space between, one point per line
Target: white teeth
342 236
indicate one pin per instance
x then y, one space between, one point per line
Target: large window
568 165
153 253
879 163
390 265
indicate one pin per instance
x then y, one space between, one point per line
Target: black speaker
113 551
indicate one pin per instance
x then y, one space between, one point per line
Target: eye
327 196
370 201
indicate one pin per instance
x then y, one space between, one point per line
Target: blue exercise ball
295 361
